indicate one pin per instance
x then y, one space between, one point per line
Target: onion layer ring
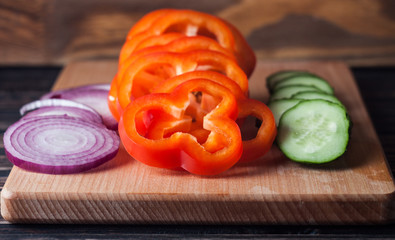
94 96
59 144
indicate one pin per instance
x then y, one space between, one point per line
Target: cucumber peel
288 91
281 75
306 95
278 107
306 80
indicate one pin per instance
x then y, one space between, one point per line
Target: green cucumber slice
278 107
309 95
314 131
288 91
306 80
281 75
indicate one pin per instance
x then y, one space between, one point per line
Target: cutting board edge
354 209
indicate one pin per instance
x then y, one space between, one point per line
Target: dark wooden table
19 85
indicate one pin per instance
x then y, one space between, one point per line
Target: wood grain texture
357 188
22 31
57 32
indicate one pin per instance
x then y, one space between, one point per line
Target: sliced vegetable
314 131
288 91
313 125
253 148
165 65
158 40
157 130
170 84
59 144
191 23
112 100
207 102
279 106
308 95
59 93
94 96
146 21
54 103
305 80
181 90
180 45
262 142
75 112
281 75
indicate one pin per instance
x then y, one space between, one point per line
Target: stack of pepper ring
180 90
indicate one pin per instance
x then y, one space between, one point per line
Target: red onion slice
54 103
94 96
58 107
59 144
59 93
75 112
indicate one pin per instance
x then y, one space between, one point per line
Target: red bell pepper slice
207 102
221 148
177 43
165 65
170 84
146 21
263 141
253 148
158 40
180 44
112 99
192 23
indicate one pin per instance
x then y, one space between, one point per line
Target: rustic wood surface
357 188
19 85
56 31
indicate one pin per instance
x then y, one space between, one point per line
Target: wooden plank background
361 33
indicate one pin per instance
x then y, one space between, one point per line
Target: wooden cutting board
357 188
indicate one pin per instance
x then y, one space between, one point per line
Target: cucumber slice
309 95
278 107
281 75
307 80
288 91
314 131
